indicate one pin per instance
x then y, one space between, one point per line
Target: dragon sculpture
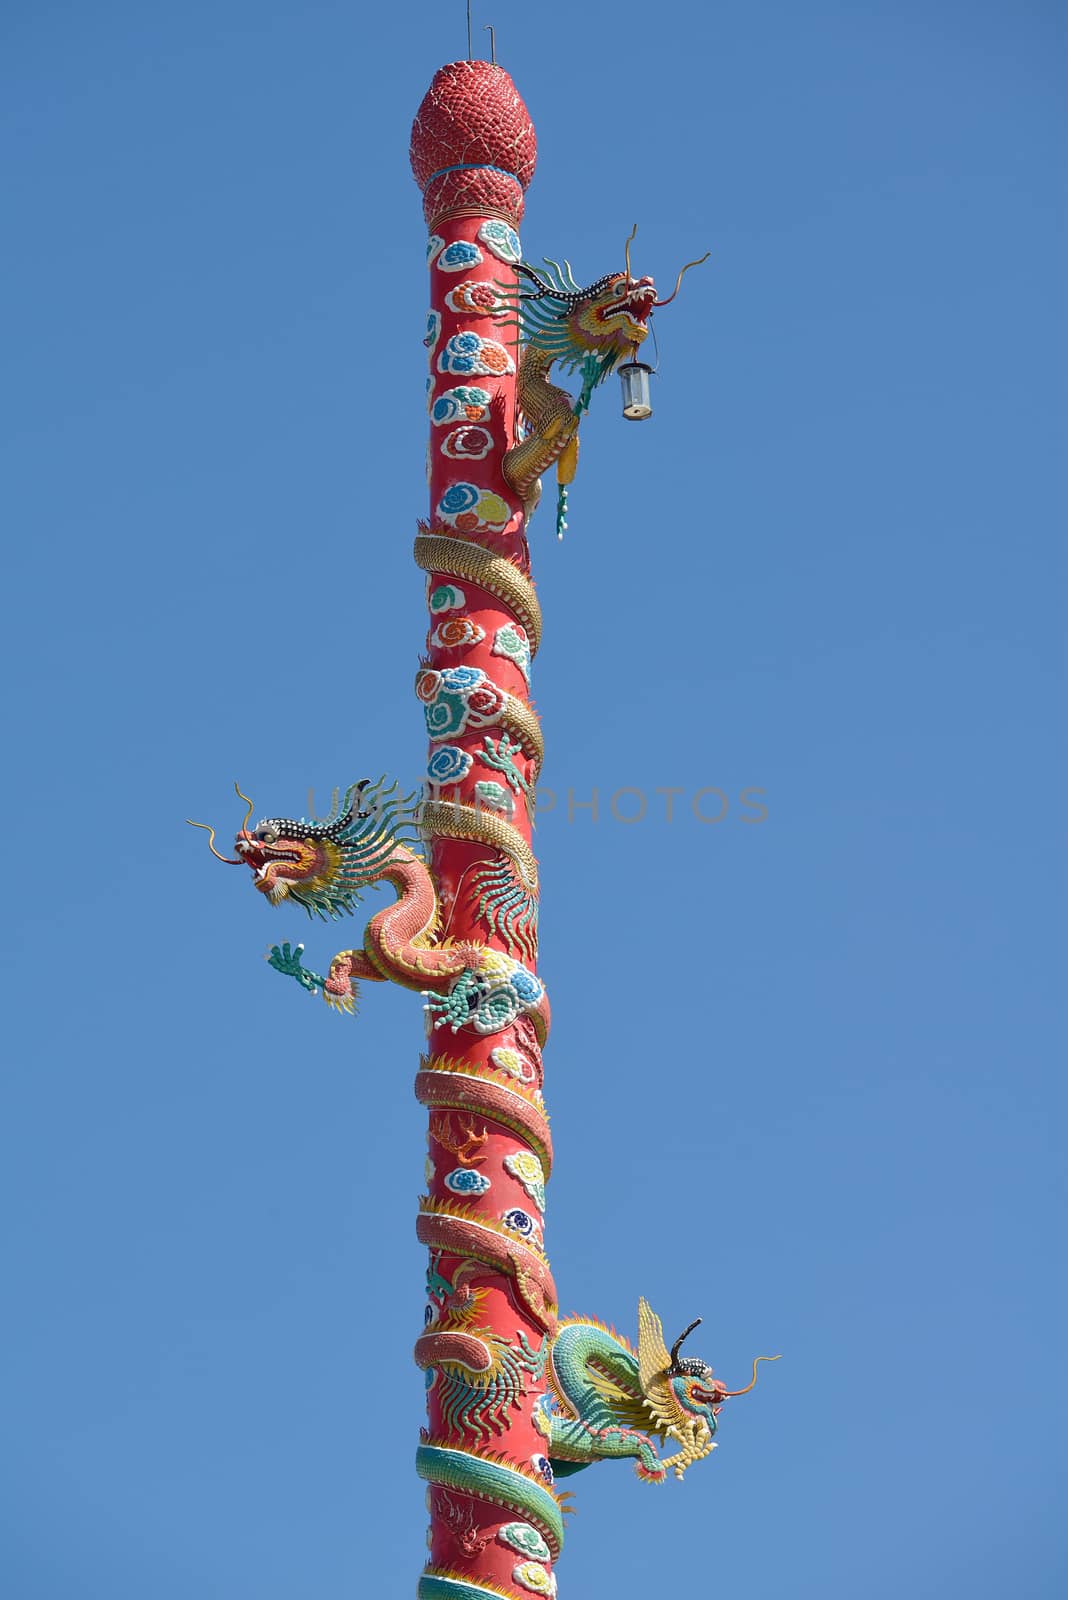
592 330
325 865
611 1399
600 1400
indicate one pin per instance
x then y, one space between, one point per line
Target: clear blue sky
805 1074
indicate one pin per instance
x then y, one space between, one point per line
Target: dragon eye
265 835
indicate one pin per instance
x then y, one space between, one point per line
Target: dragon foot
285 958
339 989
341 1002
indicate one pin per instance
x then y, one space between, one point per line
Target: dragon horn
626 248
680 277
231 861
732 1394
354 793
675 1348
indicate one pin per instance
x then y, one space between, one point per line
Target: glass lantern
634 376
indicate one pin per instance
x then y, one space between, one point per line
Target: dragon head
322 865
611 317
595 327
697 1391
693 1385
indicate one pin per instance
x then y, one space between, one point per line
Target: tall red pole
494 1516
514 1396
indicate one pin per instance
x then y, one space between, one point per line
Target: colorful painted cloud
457 633
473 299
448 764
445 597
458 256
502 240
511 641
469 509
468 355
463 404
467 444
464 1180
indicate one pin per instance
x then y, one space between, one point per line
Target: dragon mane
542 318
373 823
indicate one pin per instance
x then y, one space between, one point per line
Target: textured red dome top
471 121
472 114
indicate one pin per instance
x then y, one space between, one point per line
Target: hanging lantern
634 376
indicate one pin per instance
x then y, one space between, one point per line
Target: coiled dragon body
591 330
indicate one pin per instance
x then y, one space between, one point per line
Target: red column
490 1294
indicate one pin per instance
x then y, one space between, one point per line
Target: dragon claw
285 958
340 1002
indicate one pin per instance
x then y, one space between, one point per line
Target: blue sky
804 1073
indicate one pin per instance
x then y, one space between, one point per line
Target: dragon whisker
231 861
682 274
732 1394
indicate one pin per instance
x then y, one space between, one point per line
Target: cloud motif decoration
502 240
511 641
446 716
528 1170
495 797
469 509
433 245
473 299
542 1418
538 1579
522 1537
459 255
467 355
462 678
457 698
514 1063
446 597
457 633
520 1221
464 1180
458 499
433 329
467 444
448 764
525 984
465 403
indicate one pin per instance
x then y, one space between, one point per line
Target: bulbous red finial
473 146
